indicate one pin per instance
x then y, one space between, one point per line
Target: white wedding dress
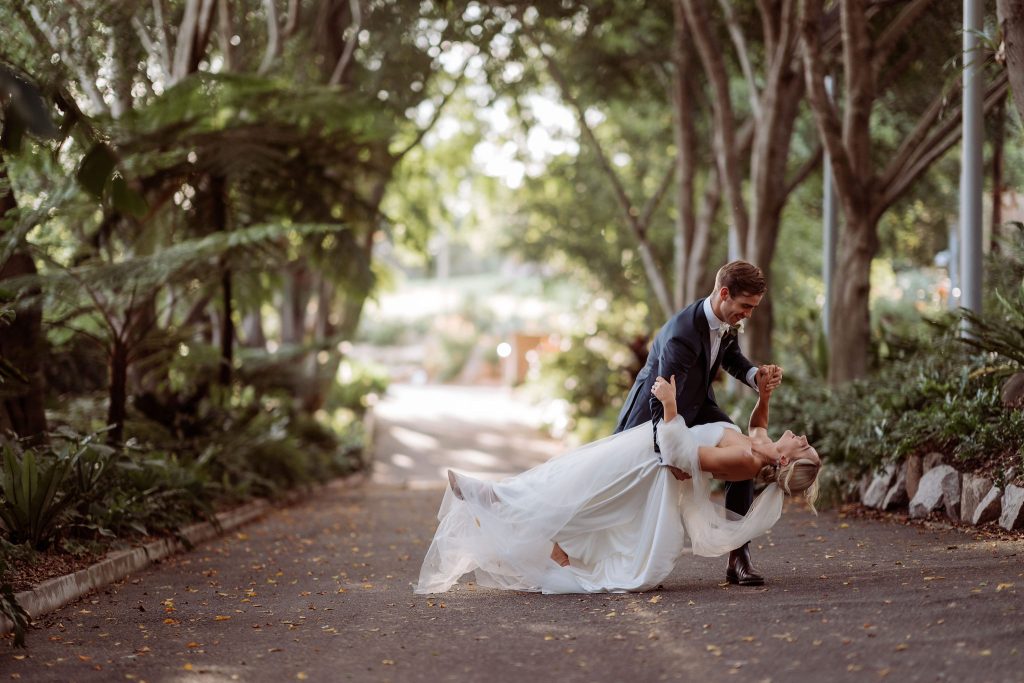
618 513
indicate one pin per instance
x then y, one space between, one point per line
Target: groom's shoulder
686 315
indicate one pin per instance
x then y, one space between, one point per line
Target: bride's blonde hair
801 475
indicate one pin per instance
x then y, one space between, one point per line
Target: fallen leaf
1003 586
221 617
655 600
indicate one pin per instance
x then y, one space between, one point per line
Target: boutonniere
732 331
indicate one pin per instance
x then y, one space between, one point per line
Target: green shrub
34 500
9 606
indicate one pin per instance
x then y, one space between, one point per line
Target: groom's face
737 308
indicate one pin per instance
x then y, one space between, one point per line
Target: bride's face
792 447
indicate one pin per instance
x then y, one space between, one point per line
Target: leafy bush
942 398
9 606
34 498
359 381
593 373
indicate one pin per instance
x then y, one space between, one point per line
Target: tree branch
163 40
770 35
938 143
45 34
350 44
739 42
147 43
859 86
825 114
433 119
294 14
721 104
273 39
655 200
225 29
654 276
887 42
910 147
810 164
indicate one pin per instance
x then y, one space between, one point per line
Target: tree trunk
219 218
726 147
998 144
22 343
1011 18
850 322
252 330
295 295
684 110
118 391
227 330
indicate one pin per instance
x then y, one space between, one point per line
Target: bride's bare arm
757 427
665 391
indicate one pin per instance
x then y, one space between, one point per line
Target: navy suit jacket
681 349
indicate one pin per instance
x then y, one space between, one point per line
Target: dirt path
322 591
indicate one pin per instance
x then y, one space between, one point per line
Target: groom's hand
768 378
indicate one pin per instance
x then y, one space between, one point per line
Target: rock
915 468
1013 391
863 484
951 495
989 508
1013 508
879 487
972 493
932 460
897 495
930 492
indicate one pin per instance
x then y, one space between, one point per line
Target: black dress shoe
740 572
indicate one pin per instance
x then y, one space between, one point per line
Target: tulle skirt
618 513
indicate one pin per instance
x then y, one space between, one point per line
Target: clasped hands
768 379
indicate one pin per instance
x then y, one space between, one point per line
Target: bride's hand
664 390
769 377
678 473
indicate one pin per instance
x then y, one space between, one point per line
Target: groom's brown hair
741 278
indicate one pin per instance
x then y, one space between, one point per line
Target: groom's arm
739 366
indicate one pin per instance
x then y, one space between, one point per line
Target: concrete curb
57 592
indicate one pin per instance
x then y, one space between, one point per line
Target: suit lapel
700 323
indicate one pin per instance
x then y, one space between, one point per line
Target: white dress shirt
716 341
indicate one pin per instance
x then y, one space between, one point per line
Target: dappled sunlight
487 432
413 439
476 458
403 461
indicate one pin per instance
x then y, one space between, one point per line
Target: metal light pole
971 159
831 227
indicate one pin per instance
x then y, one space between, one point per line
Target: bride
612 515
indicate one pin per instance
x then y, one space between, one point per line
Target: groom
691 346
